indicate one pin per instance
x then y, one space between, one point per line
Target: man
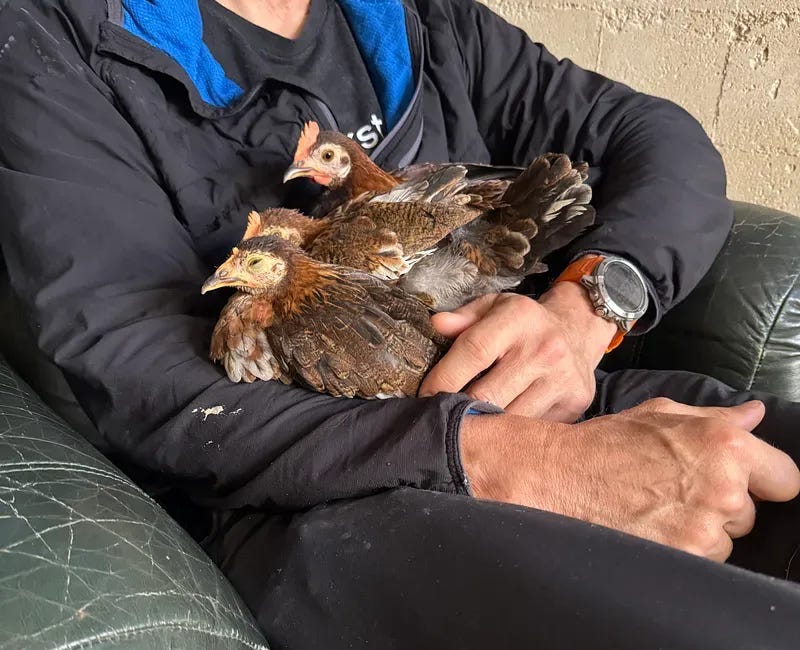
136 135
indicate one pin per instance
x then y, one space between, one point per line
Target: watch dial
624 287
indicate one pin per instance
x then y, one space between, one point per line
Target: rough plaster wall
734 64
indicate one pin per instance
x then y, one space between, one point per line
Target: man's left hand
540 355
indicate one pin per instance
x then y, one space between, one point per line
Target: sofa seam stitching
112 635
776 319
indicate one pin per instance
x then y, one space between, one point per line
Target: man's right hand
680 475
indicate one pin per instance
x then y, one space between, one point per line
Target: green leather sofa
87 560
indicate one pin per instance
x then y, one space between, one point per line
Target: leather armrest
742 323
89 560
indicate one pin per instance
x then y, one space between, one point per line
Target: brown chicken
331 328
344 169
385 234
523 219
333 160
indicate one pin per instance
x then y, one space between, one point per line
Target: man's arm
111 280
675 474
660 194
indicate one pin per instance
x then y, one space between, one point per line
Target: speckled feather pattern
331 328
364 339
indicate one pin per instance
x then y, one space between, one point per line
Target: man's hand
541 356
675 474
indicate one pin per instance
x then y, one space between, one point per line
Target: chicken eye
254 262
327 155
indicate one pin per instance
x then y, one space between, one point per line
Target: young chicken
344 169
547 206
333 160
331 328
385 234
524 218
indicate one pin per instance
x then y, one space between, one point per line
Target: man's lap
409 568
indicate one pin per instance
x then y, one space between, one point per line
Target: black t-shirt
325 57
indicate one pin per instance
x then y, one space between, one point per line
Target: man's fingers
471 353
744 416
774 475
476 348
540 402
742 522
722 550
506 382
453 323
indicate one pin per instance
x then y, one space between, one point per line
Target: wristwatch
617 289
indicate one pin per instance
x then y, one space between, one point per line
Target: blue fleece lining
379 27
176 28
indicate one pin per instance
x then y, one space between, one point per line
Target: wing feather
366 339
239 341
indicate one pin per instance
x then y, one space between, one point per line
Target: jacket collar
126 35
175 29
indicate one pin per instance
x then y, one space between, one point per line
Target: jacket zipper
327 118
418 53
324 114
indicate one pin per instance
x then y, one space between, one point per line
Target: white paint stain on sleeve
215 410
212 410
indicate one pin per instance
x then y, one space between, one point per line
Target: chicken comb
308 138
253 225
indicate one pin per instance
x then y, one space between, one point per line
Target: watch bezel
608 302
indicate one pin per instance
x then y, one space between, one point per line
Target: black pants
416 570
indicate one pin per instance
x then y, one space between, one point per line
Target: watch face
625 288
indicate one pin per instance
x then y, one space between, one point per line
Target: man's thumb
452 323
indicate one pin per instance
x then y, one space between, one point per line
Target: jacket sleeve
111 280
659 182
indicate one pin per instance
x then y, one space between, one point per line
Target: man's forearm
604 470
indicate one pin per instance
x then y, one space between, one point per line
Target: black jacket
121 189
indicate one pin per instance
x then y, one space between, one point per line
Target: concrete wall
734 64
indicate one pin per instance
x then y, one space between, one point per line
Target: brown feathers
478 228
309 283
381 233
336 303
366 176
331 328
540 211
287 224
239 341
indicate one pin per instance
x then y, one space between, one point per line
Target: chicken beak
222 278
298 169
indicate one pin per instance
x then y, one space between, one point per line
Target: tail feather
556 238
552 196
538 182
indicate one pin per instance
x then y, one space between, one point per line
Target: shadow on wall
734 65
